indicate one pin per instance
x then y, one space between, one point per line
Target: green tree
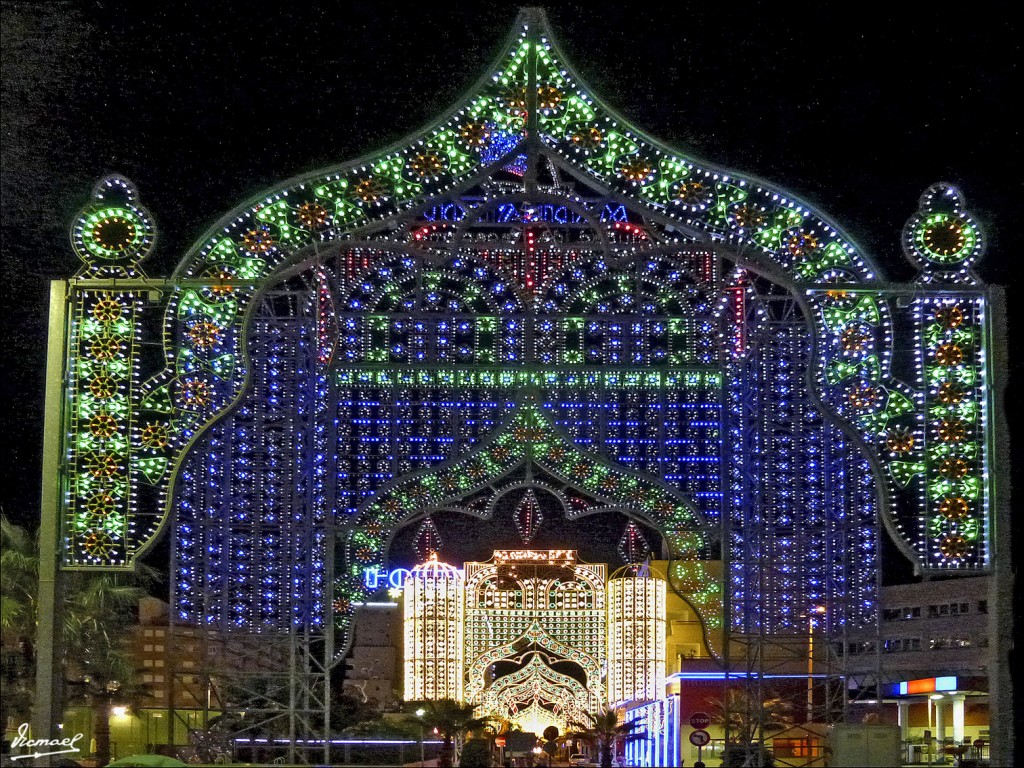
475 754
97 612
451 721
383 728
19 566
605 732
748 719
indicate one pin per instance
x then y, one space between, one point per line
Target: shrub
476 753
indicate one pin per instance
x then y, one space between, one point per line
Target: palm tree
19 566
97 611
748 719
605 732
450 720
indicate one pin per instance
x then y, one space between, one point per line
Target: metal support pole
48 705
532 139
816 611
1001 589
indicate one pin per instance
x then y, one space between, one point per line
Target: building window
983 606
943 643
797 748
902 614
902 644
950 609
865 646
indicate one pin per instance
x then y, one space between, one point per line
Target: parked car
578 760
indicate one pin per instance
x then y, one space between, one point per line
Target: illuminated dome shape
434 568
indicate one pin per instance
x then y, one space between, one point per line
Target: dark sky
206 104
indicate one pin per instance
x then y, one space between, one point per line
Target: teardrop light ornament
428 540
528 517
633 546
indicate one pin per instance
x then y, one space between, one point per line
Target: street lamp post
420 713
816 610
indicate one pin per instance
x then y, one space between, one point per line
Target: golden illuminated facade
544 636
636 637
434 607
537 620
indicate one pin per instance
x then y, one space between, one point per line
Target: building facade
534 637
934 653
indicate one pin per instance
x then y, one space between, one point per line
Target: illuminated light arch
530 438
537 683
533 636
125 440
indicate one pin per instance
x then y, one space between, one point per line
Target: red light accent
631 229
354 264
925 685
428 229
707 266
738 297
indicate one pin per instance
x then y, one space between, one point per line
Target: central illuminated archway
529 282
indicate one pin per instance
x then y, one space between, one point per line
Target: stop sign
700 720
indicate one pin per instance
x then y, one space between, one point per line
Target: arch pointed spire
531 101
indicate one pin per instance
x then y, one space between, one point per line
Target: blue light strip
363 742
735 676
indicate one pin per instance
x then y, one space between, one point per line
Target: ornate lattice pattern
552 607
591 257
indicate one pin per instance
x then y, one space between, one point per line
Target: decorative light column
434 598
636 636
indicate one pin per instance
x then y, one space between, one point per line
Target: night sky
203 105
